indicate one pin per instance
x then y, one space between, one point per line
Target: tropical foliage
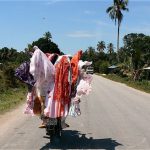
101 46
46 44
133 56
12 91
11 59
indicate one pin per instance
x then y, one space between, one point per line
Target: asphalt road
114 117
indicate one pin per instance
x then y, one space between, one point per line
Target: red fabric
61 89
49 56
74 66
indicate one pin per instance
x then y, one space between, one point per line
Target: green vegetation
12 91
130 59
143 85
11 98
45 44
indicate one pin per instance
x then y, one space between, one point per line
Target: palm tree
101 46
110 48
115 13
29 47
48 36
91 50
91 53
110 51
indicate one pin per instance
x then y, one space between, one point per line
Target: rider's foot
42 125
65 125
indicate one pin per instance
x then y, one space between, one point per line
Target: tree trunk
137 74
118 38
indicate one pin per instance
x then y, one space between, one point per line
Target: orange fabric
37 106
74 66
61 89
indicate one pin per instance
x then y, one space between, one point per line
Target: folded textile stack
56 83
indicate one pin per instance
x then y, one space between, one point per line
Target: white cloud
139 29
88 12
49 2
81 34
101 23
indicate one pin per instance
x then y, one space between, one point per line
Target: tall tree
48 36
111 54
110 48
91 52
101 46
45 44
115 13
135 48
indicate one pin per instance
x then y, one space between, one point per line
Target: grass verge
143 85
11 99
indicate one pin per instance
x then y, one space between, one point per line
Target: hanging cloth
43 72
75 69
58 100
61 90
22 72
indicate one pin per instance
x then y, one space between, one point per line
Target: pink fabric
53 107
43 72
49 56
58 100
83 88
29 104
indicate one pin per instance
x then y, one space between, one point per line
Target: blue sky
74 24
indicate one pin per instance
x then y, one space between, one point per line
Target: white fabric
83 88
43 72
29 104
83 63
52 106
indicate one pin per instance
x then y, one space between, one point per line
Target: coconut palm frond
120 18
109 9
125 9
126 2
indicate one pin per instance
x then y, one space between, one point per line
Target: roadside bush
103 68
143 85
96 66
145 74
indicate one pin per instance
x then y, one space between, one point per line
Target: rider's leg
42 101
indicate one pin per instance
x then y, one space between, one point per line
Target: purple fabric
22 72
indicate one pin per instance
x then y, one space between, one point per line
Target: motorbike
53 128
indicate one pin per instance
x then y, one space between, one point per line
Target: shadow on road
75 140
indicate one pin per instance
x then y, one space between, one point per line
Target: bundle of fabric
83 87
58 100
57 83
